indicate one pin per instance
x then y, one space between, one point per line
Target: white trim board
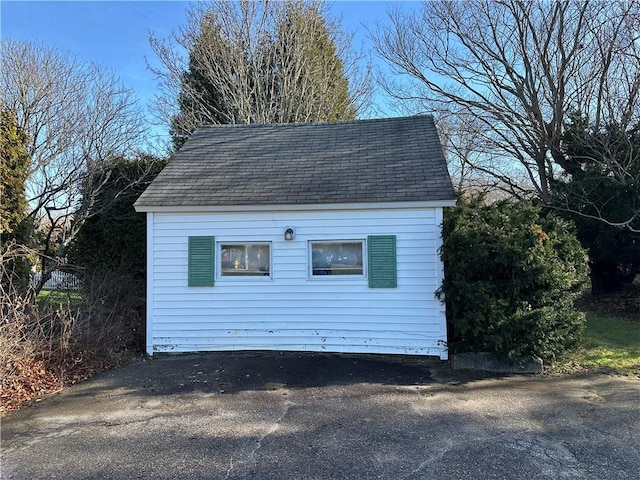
292 208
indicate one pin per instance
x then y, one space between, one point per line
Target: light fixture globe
289 234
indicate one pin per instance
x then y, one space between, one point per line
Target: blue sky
115 33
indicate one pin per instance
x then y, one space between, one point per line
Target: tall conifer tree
15 227
258 62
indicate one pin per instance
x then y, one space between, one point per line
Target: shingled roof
363 161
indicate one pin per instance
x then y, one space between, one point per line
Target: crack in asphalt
272 430
553 459
434 458
63 429
229 469
251 457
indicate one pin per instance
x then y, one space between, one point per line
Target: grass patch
58 298
274 386
611 345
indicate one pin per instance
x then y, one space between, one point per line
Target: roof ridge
304 124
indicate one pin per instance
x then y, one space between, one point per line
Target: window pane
336 258
244 260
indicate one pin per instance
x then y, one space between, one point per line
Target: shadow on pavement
233 372
264 415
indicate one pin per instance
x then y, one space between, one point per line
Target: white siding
291 311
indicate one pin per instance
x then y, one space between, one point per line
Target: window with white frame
242 259
337 257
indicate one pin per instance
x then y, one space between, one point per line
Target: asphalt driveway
310 416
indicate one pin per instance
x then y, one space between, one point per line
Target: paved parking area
317 416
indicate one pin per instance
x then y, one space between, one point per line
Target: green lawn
56 298
611 345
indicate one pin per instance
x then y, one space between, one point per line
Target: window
245 259
337 258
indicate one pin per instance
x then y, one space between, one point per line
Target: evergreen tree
593 189
14 166
15 226
259 62
307 56
199 100
113 239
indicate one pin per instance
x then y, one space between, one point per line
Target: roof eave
296 207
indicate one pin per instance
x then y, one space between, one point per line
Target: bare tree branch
262 62
519 69
78 117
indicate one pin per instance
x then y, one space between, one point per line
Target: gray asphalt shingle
362 161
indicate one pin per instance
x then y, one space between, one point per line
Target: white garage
300 237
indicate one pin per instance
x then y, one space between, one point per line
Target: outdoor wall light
289 234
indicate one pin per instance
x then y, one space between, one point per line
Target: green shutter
382 261
201 253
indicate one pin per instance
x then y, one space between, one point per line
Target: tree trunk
604 277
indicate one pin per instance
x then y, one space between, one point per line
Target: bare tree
472 163
257 62
518 69
78 117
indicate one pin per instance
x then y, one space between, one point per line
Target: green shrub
512 274
113 239
109 253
